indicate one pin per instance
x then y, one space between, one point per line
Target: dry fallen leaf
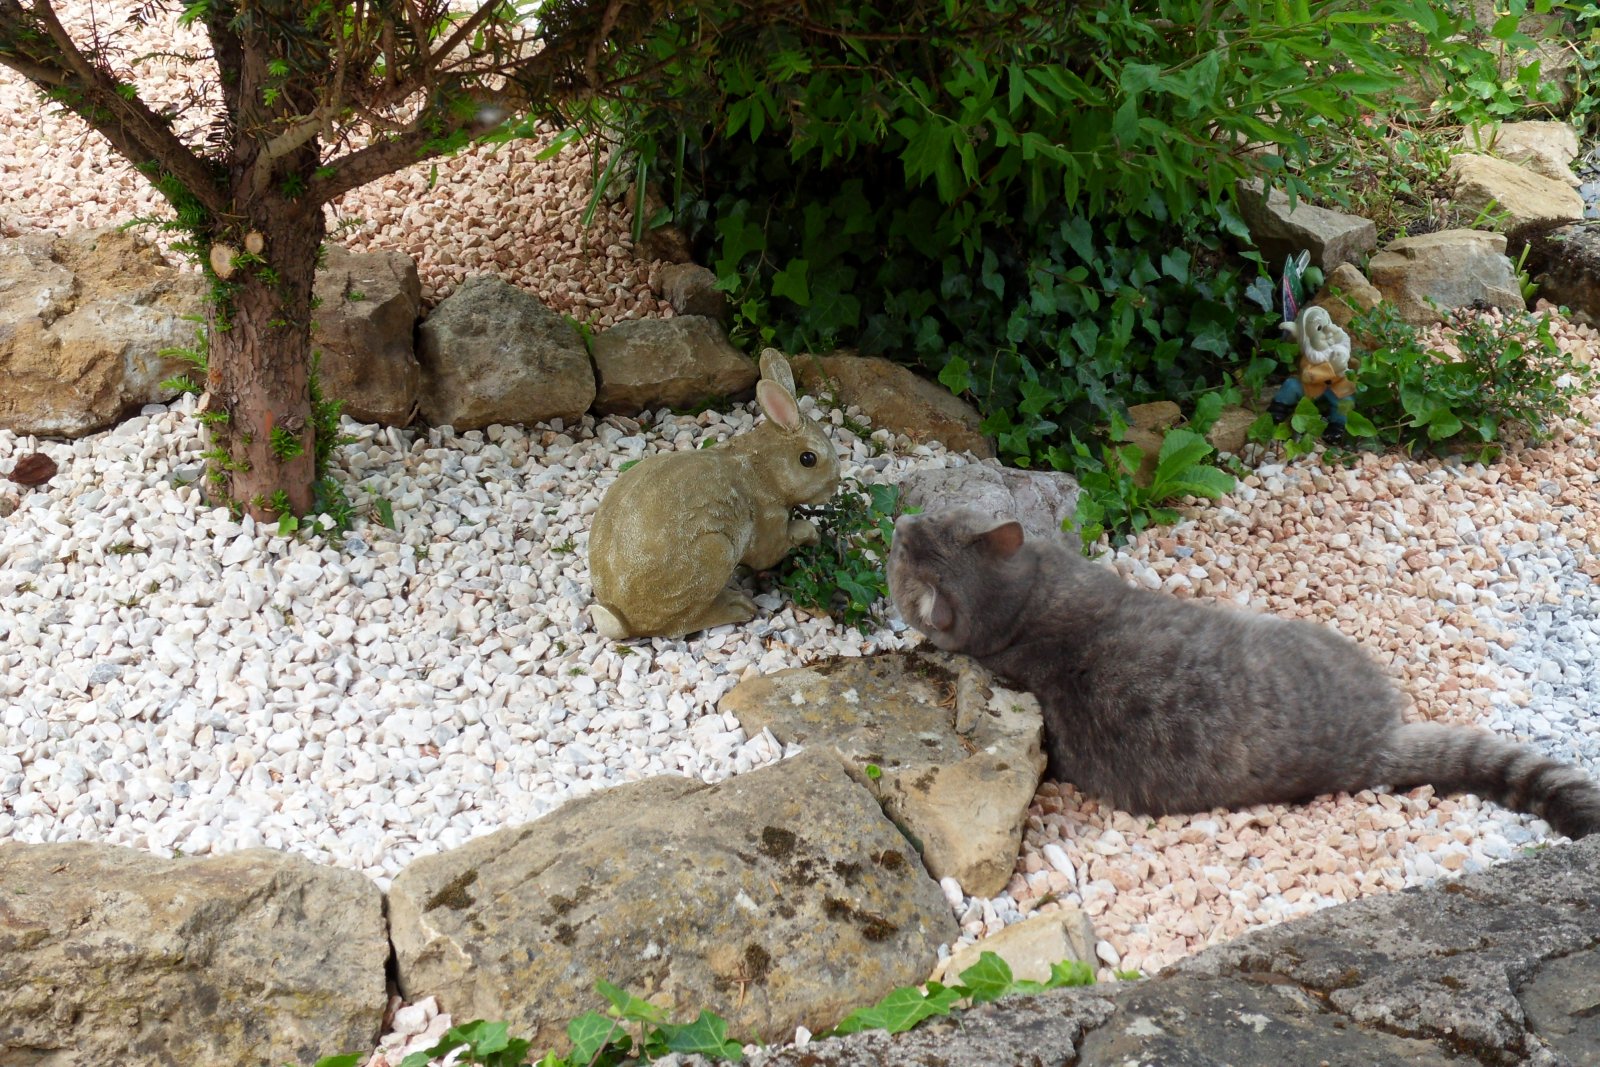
36 468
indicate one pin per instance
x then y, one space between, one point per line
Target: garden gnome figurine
1323 370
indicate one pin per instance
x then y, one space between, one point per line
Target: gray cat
1161 705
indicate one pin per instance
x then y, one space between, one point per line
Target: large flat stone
1332 237
110 955
1500 967
1500 187
1427 275
84 320
957 761
778 898
644 364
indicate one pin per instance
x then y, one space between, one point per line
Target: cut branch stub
222 259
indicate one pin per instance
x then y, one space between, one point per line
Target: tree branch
91 92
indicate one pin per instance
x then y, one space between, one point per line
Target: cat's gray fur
1161 705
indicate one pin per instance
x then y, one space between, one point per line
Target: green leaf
1181 449
956 375
988 979
1443 424
1125 123
385 512
1070 973
900 1010
790 282
1359 425
627 1006
589 1033
707 1035
287 524
1206 411
1207 482
350 1059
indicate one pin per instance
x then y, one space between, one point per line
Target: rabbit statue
672 528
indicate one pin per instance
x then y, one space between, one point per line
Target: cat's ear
940 617
1004 540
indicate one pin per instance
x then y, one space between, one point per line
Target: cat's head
948 575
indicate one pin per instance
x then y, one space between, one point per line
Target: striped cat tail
1462 759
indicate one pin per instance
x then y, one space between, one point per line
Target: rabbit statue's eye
808 459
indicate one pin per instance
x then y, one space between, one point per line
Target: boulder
1488 185
112 955
1158 416
778 898
1044 502
1442 270
1332 237
1232 429
1345 294
491 352
1032 946
1499 967
958 760
644 364
1546 148
692 290
83 321
366 321
1565 262
895 397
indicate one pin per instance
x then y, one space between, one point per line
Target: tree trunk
260 359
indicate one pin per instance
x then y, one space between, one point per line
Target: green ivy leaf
988 979
589 1033
707 1035
790 282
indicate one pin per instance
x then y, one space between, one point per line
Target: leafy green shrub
843 573
1031 201
1111 501
1511 375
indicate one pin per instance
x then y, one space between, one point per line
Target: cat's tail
1462 759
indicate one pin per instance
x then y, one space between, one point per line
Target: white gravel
179 681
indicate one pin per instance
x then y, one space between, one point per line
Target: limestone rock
1484 183
1499 967
1231 430
1238 1023
1332 237
1032 946
1546 148
1157 416
692 290
365 325
777 898
1565 262
895 397
959 760
491 352
1042 501
1449 963
112 955
1448 268
644 364
1345 294
83 319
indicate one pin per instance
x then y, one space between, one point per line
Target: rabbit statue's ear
779 404
775 368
